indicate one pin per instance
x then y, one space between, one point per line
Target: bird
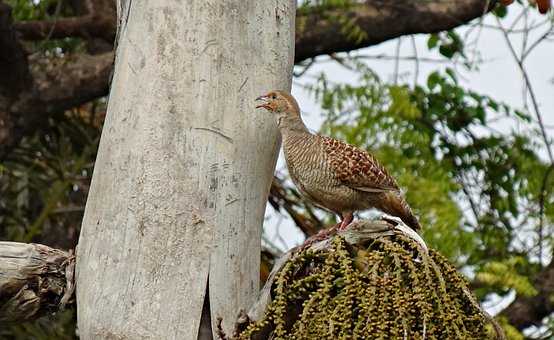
543 5
334 175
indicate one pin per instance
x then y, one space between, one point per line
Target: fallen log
34 280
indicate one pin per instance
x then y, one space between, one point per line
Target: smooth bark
184 167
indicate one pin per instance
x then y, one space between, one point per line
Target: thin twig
530 90
516 31
542 198
56 17
397 60
416 60
341 61
537 42
306 68
520 15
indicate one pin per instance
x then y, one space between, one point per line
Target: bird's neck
296 140
291 125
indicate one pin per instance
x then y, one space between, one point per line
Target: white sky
498 76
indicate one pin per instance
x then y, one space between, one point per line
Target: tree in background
487 193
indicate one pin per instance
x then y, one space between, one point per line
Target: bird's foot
344 223
342 226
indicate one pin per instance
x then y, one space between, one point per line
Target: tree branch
14 72
527 311
319 32
57 84
32 89
99 20
35 280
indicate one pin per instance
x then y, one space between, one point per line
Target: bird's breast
313 176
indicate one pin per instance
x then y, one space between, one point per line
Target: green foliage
501 11
33 10
320 6
43 185
44 182
333 10
510 331
506 275
448 43
60 326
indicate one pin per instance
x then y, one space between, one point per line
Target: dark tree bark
55 85
97 21
527 311
320 33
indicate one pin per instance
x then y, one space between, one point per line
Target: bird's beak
265 103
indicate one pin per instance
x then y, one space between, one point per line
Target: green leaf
401 104
505 274
501 11
452 74
433 41
433 80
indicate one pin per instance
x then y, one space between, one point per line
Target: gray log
34 280
184 167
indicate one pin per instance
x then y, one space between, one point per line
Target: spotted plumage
357 168
333 174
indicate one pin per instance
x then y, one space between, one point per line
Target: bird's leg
323 234
346 219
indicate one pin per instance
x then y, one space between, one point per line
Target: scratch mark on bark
123 6
132 68
128 12
243 83
209 43
195 219
231 201
138 49
217 132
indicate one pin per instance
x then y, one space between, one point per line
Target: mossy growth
387 288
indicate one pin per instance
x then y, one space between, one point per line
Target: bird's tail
393 203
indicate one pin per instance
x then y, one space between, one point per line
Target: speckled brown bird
333 174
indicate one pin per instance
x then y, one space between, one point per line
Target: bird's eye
273 96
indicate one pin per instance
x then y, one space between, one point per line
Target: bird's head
278 102
284 107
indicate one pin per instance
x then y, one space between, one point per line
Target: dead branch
34 280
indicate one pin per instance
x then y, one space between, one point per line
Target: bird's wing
357 168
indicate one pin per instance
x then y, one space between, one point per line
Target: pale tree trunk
184 167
